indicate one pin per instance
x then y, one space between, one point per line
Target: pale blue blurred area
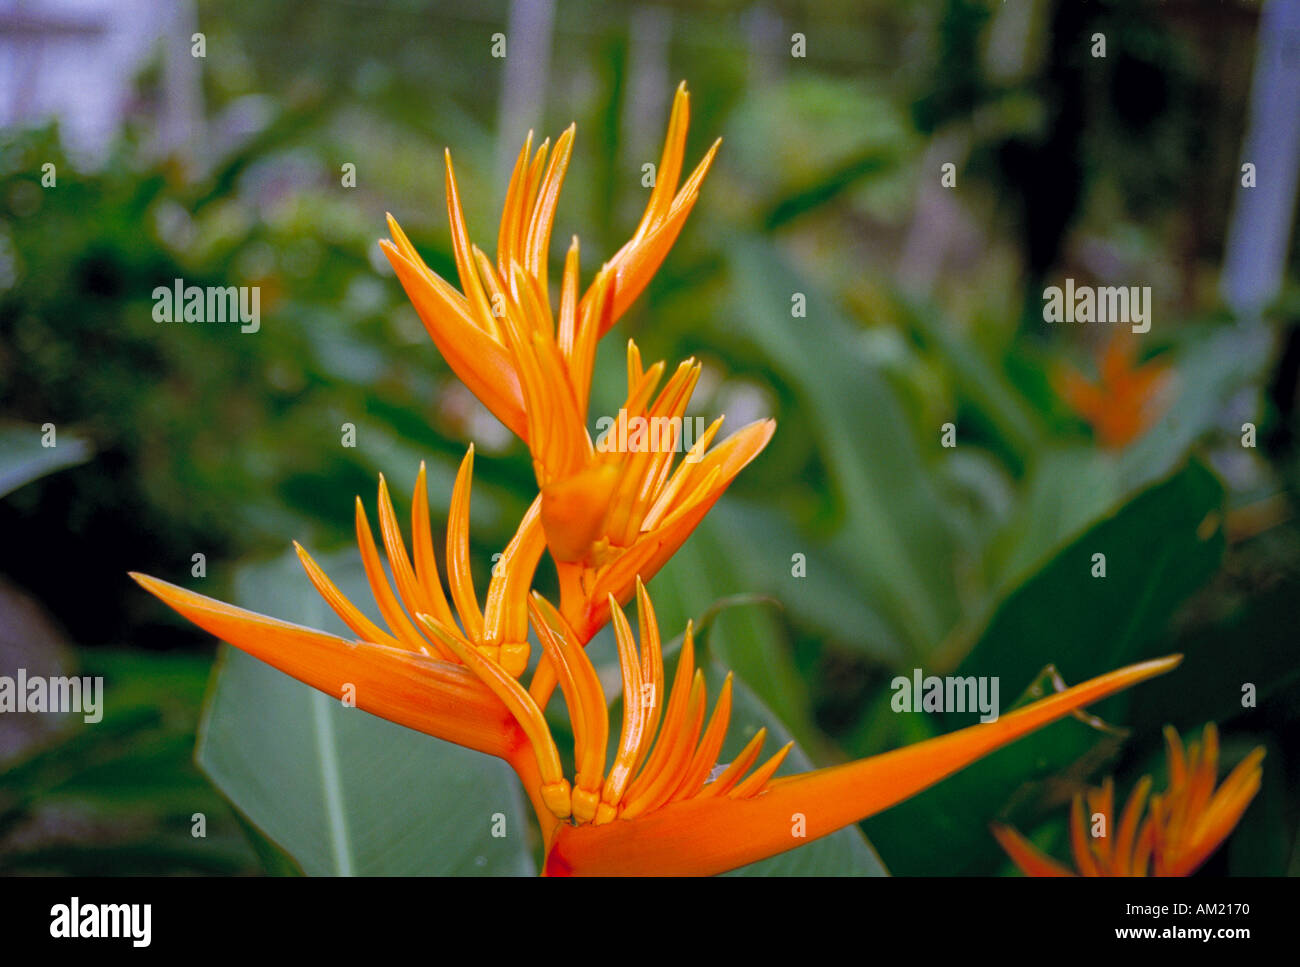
1260 233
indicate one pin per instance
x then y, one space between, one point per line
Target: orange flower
1125 401
624 510
499 630
611 516
664 806
1182 827
499 334
607 516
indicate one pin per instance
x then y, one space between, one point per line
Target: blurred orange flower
1126 399
1183 825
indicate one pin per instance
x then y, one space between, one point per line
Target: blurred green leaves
122 795
1160 547
899 546
24 457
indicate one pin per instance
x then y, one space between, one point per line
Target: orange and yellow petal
423 693
707 834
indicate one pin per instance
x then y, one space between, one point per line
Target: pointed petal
543 217
389 606
634 717
678 699
511 213
505 613
635 264
1128 826
713 834
470 283
459 578
590 713
1224 812
426 564
483 364
755 783
425 694
1027 856
411 592
555 788
738 767
1079 842
348 612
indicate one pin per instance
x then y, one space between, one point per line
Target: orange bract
624 511
705 834
607 515
499 629
655 809
531 369
1125 400
1182 827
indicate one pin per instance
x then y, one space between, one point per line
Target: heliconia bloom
665 806
498 332
1126 399
499 630
625 510
610 516
607 516
1183 826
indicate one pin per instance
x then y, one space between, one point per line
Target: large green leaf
1066 491
341 791
759 544
23 458
1160 547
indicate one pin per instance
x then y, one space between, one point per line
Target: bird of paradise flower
1126 399
1182 827
445 666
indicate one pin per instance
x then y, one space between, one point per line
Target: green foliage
121 795
24 458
